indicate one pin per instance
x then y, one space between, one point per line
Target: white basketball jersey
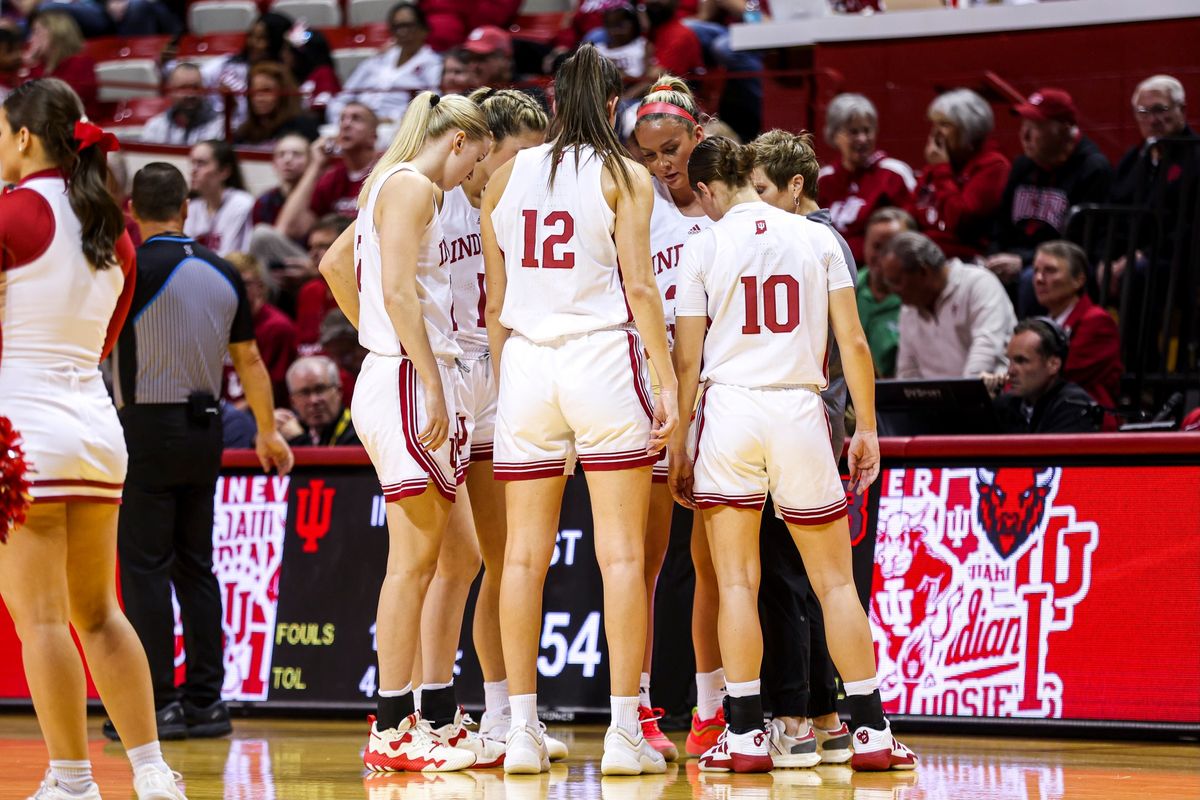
464 254
669 231
559 255
375 329
55 309
763 276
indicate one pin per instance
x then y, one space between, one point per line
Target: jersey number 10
768 300
548 258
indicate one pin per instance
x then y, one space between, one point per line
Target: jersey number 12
549 260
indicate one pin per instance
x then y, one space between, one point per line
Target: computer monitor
934 407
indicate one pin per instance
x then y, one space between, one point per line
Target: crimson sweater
1094 357
958 209
852 197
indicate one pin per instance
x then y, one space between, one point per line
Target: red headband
88 134
665 108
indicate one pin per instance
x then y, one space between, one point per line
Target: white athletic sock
73 776
625 712
710 691
743 689
495 698
644 690
146 757
524 710
861 688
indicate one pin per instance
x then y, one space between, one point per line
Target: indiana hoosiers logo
975 572
314 508
760 227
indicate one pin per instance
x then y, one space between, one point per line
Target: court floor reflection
319 760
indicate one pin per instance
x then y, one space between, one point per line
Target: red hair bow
88 135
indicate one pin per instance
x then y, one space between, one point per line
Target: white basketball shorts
478 404
751 441
73 441
585 396
389 414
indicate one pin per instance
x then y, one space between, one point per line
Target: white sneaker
488 753
525 751
792 752
50 790
628 753
495 727
833 745
878 751
555 747
155 784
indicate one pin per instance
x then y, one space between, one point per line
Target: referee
189 309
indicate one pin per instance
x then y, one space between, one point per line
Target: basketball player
565 227
66 282
405 407
667 129
771 283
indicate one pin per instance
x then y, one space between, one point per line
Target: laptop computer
939 407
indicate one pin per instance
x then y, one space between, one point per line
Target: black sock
391 711
438 706
866 711
745 713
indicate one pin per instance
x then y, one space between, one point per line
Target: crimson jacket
958 209
1094 357
852 197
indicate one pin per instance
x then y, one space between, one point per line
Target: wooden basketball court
320 760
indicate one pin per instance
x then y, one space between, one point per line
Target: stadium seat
347 58
363 12
317 13
540 28
113 48
217 16
143 71
375 35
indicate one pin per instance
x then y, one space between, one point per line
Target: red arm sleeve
127 256
978 197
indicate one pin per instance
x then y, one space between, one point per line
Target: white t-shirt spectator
630 58
966 335
385 88
226 231
161 129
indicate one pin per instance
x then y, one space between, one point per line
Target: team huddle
509 332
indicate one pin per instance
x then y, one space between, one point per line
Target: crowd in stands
953 252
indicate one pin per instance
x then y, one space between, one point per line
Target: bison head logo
1012 504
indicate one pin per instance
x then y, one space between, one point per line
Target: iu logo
760 227
314 508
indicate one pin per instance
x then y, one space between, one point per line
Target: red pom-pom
14 488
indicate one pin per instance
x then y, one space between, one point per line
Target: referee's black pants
164 538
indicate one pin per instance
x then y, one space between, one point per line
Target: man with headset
1037 398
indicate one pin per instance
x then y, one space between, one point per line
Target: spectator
742 96
237 427
626 47
55 50
310 61
878 306
1060 282
273 331
274 107
449 20
585 23
140 18
457 75
955 318
864 179
218 214
192 117
289 158
11 60
265 41
318 416
387 82
1039 399
959 193
676 48
339 341
326 188
315 300
189 308
491 53
1059 169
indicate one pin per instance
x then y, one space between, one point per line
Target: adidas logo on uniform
695 229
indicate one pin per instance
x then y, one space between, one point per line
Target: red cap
488 39
1048 104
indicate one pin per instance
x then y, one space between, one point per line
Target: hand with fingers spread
863 459
666 420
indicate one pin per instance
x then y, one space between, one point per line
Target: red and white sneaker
649 718
412 747
739 752
705 733
878 751
833 745
792 752
488 753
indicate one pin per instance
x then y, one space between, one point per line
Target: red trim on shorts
78 498
814 516
481 452
699 416
78 482
530 470
637 362
628 459
404 489
711 500
408 417
660 474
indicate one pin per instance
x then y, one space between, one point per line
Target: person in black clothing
1038 399
1059 169
188 310
318 416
